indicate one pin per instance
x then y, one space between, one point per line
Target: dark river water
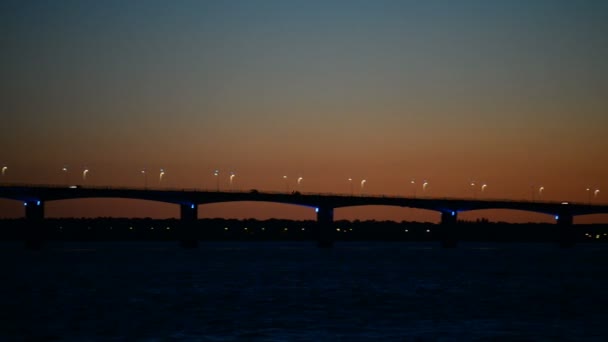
284 291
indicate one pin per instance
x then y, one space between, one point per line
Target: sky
511 94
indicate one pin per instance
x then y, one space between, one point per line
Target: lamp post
4 169
232 174
350 181
286 184
65 173
85 172
160 176
540 192
145 174
362 186
216 174
483 187
424 186
473 188
299 181
595 193
413 183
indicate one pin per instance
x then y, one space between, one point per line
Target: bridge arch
115 207
261 210
11 208
596 218
387 212
506 215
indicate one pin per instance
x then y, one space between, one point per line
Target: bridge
34 198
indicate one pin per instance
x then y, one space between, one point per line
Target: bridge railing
271 192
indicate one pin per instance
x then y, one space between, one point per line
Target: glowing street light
232 174
413 182
65 172
363 185
595 193
216 174
145 174
483 187
473 188
425 185
350 181
540 192
160 176
299 180
230 180
4 168
85 172
286 183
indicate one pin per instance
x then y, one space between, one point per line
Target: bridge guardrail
271 192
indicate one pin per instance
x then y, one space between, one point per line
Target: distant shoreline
135 229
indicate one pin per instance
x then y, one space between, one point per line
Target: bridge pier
325 228
33 231
566 231
187 227
448 229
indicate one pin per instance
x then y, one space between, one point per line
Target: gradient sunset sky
513 94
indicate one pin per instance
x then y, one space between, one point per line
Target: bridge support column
33 231
187 230
566 231
448 230
325 227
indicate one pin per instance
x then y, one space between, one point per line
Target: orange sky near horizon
508 94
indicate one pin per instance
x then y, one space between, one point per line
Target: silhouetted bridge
35 196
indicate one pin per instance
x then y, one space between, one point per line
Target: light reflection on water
294 291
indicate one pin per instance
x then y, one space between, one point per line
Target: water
276 291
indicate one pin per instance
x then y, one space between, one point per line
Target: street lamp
143 172
473 188
413 182
216 174
232 174
424 185
286 184
4 168
540 192
595 193
362 185
85 172
299 180
160 176
65 172
350 181
483 187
